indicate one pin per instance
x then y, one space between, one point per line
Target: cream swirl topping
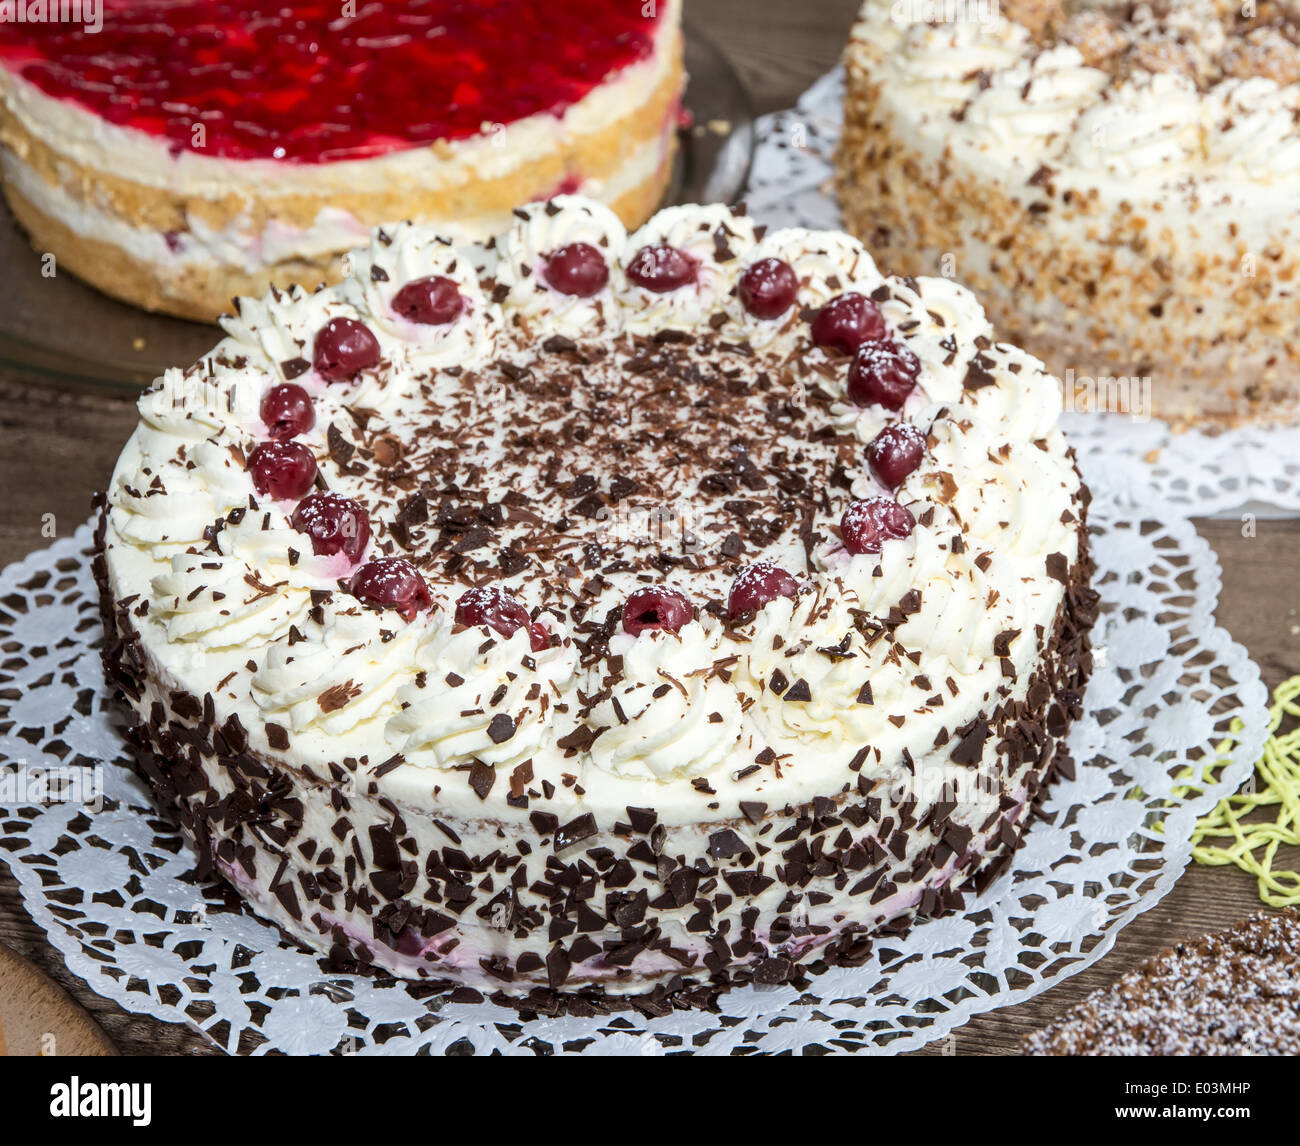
1251 129
173 499
1148 126
942 62
826 263
1158 93
715 239
1024 106
1020 400
278 333
473 703
224 602
403 254
671 715
346 674
540 230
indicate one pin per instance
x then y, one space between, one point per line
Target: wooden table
60 445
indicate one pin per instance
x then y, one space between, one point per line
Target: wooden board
37 1018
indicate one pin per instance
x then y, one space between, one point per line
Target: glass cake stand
59 328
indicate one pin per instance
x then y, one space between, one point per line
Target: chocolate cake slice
1236 992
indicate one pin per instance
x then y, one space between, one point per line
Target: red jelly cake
185 153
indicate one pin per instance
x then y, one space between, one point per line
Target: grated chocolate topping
564 467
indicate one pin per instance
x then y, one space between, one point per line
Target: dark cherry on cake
432 301
335 524
846 322
286 411
496 609
868 524
282 469
895 452
768 287
343 348
392 583
578 269
758 585
660 268
883 374
656 607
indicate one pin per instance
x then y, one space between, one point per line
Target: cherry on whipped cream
578 269
335 524
767 288
432 301
392 583
496 609
757 585
846 322
883 374
867 524
895 452
656 607
344 347
660 268
287 411
282 469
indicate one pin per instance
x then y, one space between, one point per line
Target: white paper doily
110 887
1195 474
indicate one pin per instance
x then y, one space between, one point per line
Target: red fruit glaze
883 374
335 524
577 269
284 470
895 452
432 301
867 524
660 268
344 347
756 586
489 606
392 583
767 289
298 81
656 607
287 411
846 322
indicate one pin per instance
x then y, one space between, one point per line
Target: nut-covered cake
590 611
182 153
1117 183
